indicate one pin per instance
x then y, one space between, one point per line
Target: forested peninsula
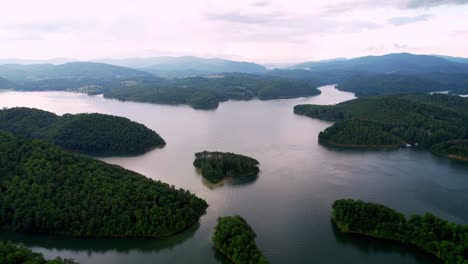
438 122
447 241
207 92
235 239
95 134
17 254
45 189
215 166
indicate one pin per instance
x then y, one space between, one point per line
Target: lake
288 205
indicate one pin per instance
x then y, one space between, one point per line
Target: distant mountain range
454 59
68 76
369 75
390 63
186 66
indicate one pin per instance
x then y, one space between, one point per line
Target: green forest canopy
208 92
18 254
48 190
97 134
447 241
215 166
420 120
236 240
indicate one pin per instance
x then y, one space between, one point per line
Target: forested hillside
387 74
73 76
96 134
447 241
419 120
208 92
44 189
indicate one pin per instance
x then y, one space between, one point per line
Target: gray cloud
411 4
352 5
400 21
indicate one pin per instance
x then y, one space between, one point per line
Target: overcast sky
260 31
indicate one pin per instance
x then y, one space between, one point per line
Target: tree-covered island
215 166
235 239
438 122
96 134
45 189
448 241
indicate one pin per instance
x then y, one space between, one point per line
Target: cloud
400 21
412 4
400 46
244 18
352 5
261 3
50 26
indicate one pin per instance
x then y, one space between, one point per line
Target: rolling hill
186 65
68 76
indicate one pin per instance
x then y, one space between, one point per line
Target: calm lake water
288 205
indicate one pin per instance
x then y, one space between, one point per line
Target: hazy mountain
83 76
453 59
6 84
311 64
84 70
387 74
400 63
187 65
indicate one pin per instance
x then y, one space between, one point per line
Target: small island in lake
448 241
95 134
215 166
438 122
14 254
235 239
44 189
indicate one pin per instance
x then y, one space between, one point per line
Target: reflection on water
95 245
369 246
288 204
229 181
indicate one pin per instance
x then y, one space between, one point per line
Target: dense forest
380 84
215 166
48 190
457 149
17 254
236 240
96 134
419 120
361 133
208 92
447 241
